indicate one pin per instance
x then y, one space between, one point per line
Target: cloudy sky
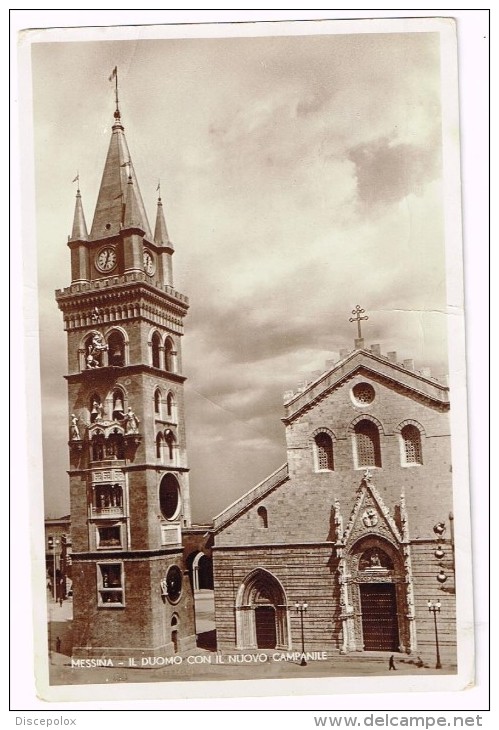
300 176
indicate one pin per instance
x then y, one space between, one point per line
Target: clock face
106 259
174 583
149 265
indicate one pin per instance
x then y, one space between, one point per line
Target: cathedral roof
110 210
256 493
370 363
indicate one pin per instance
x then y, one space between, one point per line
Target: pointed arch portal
377 588
262 618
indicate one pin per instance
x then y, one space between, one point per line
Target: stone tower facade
129 481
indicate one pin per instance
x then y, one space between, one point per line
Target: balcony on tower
110 442
107 500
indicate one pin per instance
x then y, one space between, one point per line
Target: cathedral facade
344 546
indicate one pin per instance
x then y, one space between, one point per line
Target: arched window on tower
157 402
118 405
367 444
159 446
170 444
170 406
116 352
411 438
324 452
156 344
95 408
169 356
262 514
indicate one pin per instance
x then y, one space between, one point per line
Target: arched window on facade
169 356
262 514
411 439
324 452
157 402
118 405
367 444
156 356
116 351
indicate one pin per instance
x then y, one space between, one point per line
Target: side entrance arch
262 617
202 572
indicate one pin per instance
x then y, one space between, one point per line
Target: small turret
80 261
133 231
79 232
132 217
161 237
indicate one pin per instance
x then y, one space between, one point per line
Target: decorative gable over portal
375 574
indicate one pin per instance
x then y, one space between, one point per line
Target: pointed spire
108 216
79 232
161 236
132 217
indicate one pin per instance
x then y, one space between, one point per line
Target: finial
158 190
114 75
77 179
357 312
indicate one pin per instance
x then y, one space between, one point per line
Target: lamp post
301 608
434 608
54 576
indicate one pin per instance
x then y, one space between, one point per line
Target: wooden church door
379 617
266 635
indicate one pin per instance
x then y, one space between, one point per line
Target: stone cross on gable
357 312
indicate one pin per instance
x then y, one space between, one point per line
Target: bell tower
129 478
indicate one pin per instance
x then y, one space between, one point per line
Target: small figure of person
58 645
419 662
391 663
75 432
132 422
60 601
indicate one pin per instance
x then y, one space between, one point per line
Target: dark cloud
386 172
265 336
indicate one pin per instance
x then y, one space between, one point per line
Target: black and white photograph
252 377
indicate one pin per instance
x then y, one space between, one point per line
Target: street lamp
301 608
53 544
434 608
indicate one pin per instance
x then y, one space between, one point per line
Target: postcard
247 322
